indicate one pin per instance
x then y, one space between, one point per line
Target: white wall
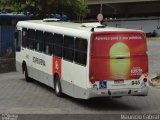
145 25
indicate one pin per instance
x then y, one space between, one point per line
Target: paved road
19 97
154 56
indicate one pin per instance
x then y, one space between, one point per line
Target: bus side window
24 37
48 38
31 38
81 51
39 42
68 48
58 41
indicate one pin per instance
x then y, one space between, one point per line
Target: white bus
83 60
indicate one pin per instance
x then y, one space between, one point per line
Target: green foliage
81 9
4 2
42 8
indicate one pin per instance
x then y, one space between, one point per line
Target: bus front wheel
57 86
25 71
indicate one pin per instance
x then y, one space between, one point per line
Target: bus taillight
145 80
145 75
92 79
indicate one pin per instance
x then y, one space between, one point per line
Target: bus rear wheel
57 86
25 71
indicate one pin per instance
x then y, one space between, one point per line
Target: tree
4 3
43 8
81 9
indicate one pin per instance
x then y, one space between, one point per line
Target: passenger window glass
39 41
58 40
31 38
48 38
81 44
80 51
68 48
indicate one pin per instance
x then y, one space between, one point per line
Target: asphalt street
154 57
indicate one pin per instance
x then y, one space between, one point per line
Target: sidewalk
154 61
7 65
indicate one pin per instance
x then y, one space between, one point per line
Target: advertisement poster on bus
118 56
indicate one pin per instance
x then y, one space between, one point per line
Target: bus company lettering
118 38
136 71
39 61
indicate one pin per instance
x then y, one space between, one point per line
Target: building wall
91 2
148 26
126 10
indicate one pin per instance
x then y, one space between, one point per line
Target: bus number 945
137 82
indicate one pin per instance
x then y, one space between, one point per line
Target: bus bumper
118 92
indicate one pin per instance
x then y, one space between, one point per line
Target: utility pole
101 8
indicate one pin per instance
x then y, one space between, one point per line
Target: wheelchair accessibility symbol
102 84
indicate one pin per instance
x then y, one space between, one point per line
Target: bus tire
57 86
25 71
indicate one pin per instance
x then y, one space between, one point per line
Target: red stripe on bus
57 66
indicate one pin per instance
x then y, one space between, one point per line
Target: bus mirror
18 48
17 40
16 34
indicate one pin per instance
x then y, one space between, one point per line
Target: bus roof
77 29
